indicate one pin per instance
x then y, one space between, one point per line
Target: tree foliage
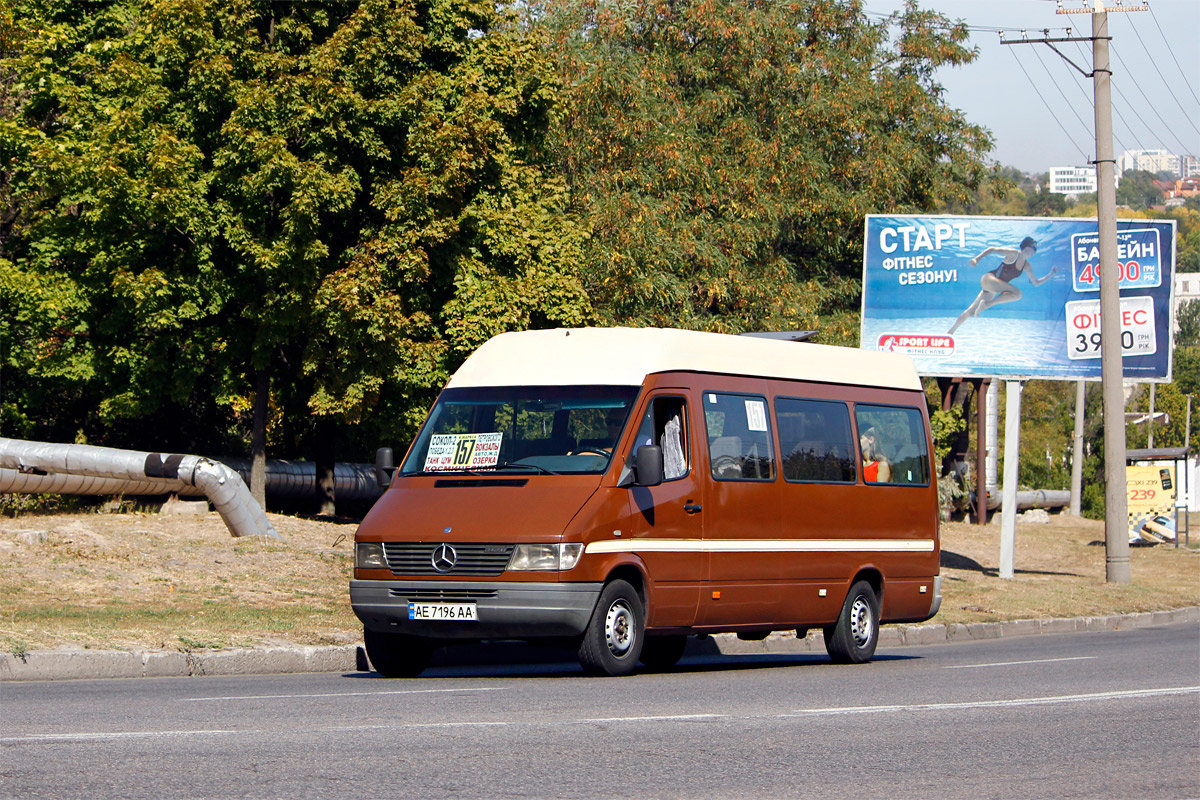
725 152
1137 189
345 194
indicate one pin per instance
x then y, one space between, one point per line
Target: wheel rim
618 628
861 623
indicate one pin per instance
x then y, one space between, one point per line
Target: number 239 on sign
1142 495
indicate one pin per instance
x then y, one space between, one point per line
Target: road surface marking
105 736
668 718
1012 663
1013 703
334 694
39 738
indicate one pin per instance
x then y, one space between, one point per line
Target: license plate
443 612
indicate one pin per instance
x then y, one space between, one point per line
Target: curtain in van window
672 447
663 424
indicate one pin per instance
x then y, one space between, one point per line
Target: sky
1039 108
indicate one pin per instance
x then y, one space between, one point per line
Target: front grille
416 558
414 595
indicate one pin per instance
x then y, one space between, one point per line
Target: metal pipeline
298 479
84 469
1040 498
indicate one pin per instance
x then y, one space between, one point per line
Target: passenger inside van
876 468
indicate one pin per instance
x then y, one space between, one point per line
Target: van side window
739 437
665 424
892 444
815 443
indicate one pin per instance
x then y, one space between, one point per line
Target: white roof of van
625 356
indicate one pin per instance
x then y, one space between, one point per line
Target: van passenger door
667 519
741 518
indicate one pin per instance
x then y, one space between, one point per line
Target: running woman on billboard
997 284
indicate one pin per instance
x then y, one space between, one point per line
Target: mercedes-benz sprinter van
621 489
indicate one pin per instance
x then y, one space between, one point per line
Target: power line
1087 128
1172 52
1117 88
1134 122
1153 63
1048 108
1153 107
1129 129
1090 100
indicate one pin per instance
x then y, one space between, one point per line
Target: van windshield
529 429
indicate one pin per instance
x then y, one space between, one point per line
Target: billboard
1015 297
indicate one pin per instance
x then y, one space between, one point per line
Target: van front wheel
395 655
613 640
852 639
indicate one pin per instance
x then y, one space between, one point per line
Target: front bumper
505 610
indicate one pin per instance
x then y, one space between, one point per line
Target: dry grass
1060 572
173 582
181 582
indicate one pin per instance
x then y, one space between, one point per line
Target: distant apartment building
1072 180
1157 161
1187 289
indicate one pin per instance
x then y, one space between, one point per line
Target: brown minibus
621 489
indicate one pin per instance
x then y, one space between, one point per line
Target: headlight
545 556
369 555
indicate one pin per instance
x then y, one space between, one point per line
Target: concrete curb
48 665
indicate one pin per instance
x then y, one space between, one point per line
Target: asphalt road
1093 715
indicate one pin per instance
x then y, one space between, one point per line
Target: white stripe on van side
762 546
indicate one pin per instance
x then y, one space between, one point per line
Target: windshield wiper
537 467
488 471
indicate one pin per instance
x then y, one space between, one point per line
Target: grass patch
1060 572
141 580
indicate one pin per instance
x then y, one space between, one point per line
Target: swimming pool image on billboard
1014 296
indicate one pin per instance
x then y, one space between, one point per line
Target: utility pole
1116 506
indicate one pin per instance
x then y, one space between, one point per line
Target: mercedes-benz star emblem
444 558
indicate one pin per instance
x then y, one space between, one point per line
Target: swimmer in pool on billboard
997 285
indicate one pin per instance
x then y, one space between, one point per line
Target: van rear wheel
616 632
396 655
852 639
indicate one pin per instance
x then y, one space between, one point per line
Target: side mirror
649 465
384 467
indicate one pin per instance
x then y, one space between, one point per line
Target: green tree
1137 189
1169 430
336 200
725 152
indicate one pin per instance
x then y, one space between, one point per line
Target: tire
616 632
395 655
852 639
663 652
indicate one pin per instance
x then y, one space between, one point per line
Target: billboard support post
1012 455
1116 514
981 495
1077 451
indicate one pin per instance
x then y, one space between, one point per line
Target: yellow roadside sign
1151 493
